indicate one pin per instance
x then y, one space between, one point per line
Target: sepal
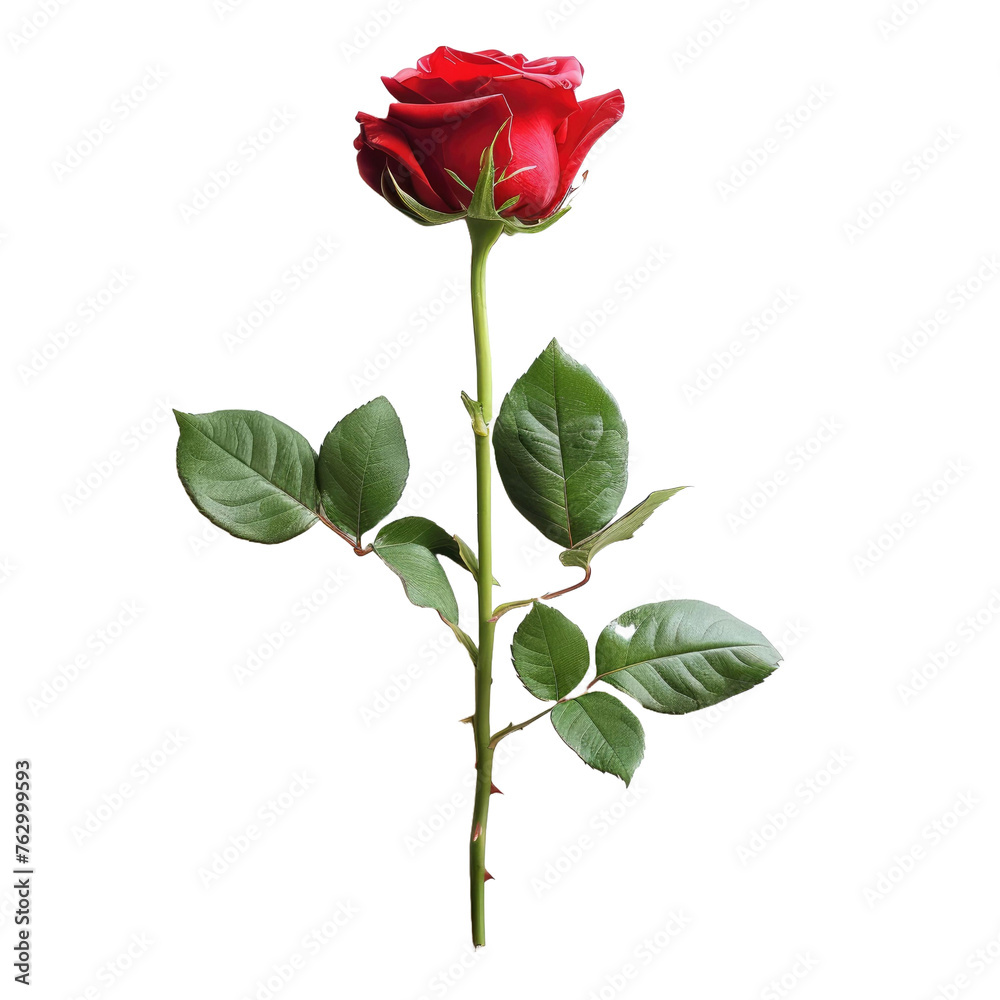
482 204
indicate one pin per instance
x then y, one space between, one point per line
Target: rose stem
484 234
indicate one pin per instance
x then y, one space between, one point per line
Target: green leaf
679 656
468 559
423 531
466 640
625 527
501 609
408 548
603 733
249 474
363 467
562 448
550 653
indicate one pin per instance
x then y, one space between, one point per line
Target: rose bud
462 114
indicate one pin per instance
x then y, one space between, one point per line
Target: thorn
468 719
494 790
478 830
486 876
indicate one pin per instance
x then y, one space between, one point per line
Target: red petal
583 129
528 100
562 71
385 138
532 144
371 163
403 93
448 74
453 136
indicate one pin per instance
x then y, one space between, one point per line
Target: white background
844 504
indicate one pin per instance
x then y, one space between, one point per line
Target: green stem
507 730
484 234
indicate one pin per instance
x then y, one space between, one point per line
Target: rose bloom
452 107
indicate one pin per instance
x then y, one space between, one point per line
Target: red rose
452 107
